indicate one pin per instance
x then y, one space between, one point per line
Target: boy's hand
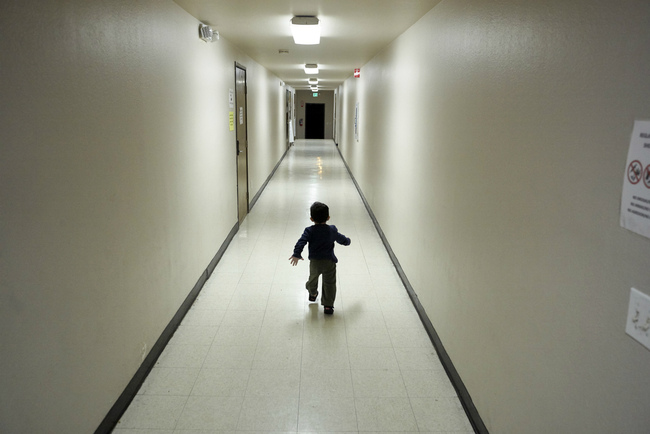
294 260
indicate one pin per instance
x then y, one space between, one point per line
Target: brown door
242 142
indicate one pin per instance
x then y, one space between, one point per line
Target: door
242 142
315 121
287 110
334 133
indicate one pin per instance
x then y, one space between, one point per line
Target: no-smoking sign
635 201
634 171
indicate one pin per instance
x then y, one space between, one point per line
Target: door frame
241 214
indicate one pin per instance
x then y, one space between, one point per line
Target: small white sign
241 115
635 201
231 98
356 122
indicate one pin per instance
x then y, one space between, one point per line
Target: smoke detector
207 34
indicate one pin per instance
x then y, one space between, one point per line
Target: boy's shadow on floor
316 313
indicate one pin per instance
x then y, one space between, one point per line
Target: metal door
242 142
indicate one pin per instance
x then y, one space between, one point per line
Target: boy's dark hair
319 212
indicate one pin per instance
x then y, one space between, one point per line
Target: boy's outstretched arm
297 250
342 239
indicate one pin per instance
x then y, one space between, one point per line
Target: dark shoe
313 297
329 310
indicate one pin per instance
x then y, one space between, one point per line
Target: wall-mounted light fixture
311 68
305 30
207 34
313 81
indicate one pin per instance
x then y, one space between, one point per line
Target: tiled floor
254 355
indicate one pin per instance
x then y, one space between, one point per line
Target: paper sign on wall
635 201
231 120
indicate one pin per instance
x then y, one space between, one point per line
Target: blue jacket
321 239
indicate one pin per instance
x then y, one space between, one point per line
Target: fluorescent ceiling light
311 68
313 81
305 30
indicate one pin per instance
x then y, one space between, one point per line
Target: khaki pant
327 269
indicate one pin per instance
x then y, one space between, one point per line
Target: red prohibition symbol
646 176
634 171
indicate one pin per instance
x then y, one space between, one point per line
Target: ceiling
352 32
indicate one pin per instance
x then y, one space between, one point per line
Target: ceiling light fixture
305 30
311 68
313 81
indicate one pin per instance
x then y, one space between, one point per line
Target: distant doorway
315 121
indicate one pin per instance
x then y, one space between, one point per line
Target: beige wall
492 150
117 185
304 97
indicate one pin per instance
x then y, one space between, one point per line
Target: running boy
321 239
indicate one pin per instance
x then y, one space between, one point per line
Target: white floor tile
193 335
385 414
210 413
428 384
183 356
170 381
230 356
264 413
326 384
221 382
154 412
327 415
278 356
380 383
440 414
204 317
274 383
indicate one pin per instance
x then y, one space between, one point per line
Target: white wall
492 150
117 185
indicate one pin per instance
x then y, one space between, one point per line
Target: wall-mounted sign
635 201
357 72
231 98
315 94
356 122
231 121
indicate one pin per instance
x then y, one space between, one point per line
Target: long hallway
253 354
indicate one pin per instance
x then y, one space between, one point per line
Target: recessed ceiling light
311 68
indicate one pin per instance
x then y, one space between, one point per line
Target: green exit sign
315 94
